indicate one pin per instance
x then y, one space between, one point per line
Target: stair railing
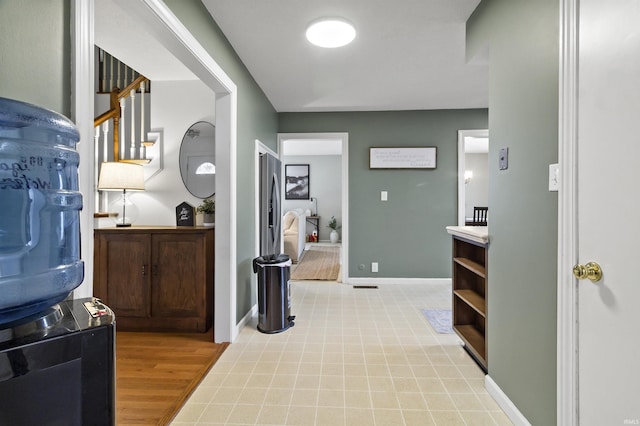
110 131
115 113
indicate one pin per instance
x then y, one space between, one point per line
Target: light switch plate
503 159
383 195
554 177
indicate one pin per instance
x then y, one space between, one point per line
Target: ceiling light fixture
331 32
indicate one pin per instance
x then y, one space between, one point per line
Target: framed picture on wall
296 177
403 158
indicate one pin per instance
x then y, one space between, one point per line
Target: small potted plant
208 210
333 224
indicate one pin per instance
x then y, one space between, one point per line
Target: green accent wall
406 235
257 119
35 53
523 45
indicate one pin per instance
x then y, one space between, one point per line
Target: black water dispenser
56 354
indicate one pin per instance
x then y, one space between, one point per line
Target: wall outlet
383 195
374 266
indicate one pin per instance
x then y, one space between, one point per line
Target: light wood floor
156 373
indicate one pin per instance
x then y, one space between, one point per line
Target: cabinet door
178 275
124 274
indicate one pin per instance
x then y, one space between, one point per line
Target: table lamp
120 176
314 201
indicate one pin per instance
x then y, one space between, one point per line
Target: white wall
477 190
325 184
175 106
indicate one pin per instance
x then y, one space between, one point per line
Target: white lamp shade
119 176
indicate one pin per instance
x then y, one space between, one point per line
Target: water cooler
56 354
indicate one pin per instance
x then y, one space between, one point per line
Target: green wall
35 53
256 120
523 40
406 235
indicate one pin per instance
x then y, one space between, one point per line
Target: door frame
161 23
462 194
344 139
567 310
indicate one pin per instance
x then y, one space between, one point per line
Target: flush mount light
331 32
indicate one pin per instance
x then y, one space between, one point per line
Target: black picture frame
296 181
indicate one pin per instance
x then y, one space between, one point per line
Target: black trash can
274 298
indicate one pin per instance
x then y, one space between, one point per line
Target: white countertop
478 234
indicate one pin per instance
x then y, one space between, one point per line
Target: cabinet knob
591 270
144 270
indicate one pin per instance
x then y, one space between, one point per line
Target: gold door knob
591 270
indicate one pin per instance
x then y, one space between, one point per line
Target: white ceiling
408 54
124 38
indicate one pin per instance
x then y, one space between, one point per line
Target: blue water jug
39 209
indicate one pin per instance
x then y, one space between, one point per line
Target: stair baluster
119 73
132 141
111 83
96 140
123 120
105 144
143 148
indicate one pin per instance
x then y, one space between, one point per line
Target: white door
608 210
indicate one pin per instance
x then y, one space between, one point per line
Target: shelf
472 299
474 341
474 267
469 281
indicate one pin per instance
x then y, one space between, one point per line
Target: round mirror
197 159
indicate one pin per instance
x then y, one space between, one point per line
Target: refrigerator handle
270 214
273 199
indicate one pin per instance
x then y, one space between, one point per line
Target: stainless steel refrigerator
270 210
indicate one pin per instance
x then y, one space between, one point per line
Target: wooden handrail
115 112
104 117
120 94
133 85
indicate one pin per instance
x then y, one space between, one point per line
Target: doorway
160 24
473 172
297 145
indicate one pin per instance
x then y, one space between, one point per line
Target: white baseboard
505 403
245 320
381 281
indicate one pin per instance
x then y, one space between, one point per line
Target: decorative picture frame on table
296 178
185 214
402 157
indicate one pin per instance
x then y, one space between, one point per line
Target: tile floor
354 357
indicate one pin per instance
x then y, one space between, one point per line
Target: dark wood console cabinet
156 278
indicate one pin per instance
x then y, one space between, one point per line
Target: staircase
121 131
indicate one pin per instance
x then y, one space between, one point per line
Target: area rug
318 263
440 320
